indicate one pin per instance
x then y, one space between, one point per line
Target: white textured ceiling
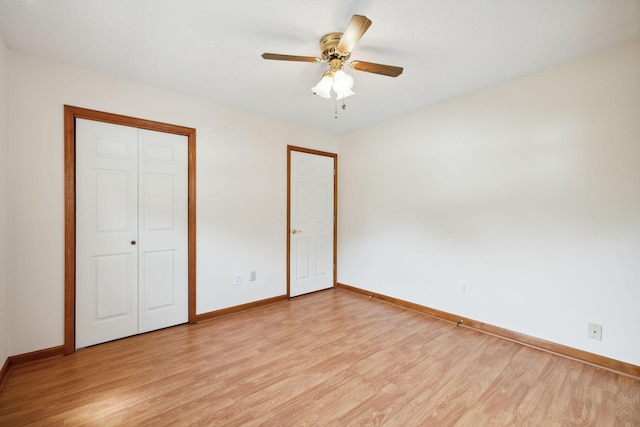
211 49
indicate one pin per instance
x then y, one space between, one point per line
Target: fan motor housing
329 47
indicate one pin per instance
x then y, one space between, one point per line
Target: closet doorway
130 226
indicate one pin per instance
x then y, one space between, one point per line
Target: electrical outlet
464 288
595 331
252 276
238 279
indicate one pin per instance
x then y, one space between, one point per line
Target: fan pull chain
343 106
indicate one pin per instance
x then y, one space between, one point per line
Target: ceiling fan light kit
335 78
336 49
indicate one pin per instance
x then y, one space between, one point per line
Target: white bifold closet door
131 231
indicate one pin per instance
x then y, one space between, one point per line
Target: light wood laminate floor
332 358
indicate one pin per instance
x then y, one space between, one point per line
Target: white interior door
163 235
106 226
131 231
312 223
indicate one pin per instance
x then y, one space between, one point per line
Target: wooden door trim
70 114
291 148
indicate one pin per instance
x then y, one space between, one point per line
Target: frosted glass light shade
342 81
342 84
323 88
344 94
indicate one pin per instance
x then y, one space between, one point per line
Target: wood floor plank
329 358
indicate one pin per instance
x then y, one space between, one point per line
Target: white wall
241 188
528 191
4 199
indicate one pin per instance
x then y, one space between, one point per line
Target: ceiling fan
336 49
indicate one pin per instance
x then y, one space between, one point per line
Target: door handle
133 242
294 231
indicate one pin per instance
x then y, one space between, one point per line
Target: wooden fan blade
355 30
371 67
278 57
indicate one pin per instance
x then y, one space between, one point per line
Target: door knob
294 231
133 242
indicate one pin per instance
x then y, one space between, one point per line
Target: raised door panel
112 291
